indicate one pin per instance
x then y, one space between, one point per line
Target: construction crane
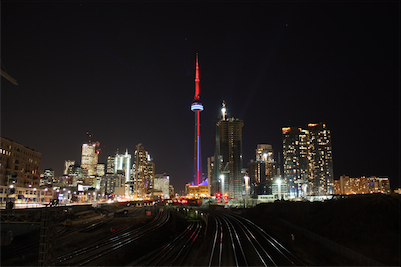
8 77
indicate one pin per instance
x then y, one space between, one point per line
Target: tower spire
197 80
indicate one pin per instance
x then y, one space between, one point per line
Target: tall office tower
228 146
143 174
76 174
122 164
89 158
110 164
162 184
100 169
296 164
214 179
214 185
257 177
197 107
308 166
108 183
264 153
321 160
150 182
262 171
257 171
67 165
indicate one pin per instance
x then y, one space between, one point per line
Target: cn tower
197 107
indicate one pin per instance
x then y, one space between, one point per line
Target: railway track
175 252
233 241
240 242
99 249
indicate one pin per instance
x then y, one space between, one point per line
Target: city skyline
124 72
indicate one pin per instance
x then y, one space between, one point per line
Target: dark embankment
367 224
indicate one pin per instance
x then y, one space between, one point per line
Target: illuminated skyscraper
150 181
320 158
122 163
263 170
197 107
296 165
308 167
67 165
110 165
264 153
228 150
144 173
100 169
162 184
213 173
89 158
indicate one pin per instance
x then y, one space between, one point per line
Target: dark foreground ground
367 224
10 255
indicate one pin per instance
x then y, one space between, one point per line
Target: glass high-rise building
228 149
67 165
110 165
144 173
100 169
213 172
308 166
321 159
264 153
296 164
263 170
122 164
89 158
162 184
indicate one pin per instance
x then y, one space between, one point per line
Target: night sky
124 72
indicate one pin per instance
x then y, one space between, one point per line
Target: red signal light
218 195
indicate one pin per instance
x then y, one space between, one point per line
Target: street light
222 183
279 188
246 178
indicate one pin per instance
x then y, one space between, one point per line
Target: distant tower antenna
89 137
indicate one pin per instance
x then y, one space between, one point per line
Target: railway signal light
218 196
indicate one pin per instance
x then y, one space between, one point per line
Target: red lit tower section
197 107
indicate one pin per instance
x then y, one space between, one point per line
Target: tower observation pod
197 107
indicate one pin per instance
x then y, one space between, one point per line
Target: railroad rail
88 255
